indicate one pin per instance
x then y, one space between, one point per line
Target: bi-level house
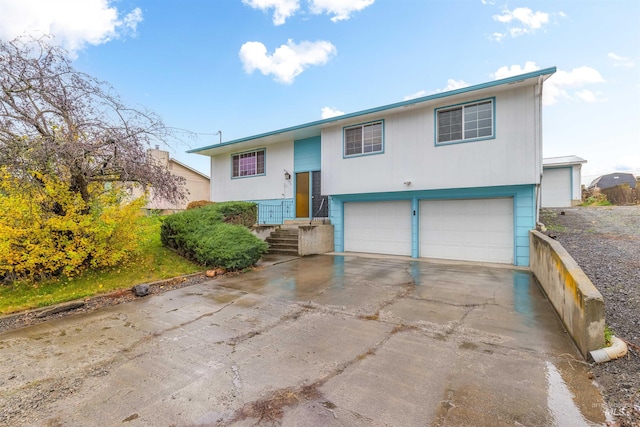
453 175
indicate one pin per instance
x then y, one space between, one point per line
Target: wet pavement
323 340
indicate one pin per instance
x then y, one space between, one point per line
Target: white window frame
368 143
468 123
252 158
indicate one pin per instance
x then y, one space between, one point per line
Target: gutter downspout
618 349
538 145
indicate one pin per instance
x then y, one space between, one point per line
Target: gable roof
312 129
562 161
613 179
204 175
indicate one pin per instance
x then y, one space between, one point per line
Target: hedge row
215 235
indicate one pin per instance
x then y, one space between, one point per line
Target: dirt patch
271 408
605 242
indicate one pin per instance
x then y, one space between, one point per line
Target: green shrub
230 246
199 204
241 213
211 237
597 200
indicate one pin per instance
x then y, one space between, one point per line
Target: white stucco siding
411 155
271 185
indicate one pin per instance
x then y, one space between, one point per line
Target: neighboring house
613 179
452 175
197 184
561 181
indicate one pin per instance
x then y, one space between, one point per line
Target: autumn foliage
48 230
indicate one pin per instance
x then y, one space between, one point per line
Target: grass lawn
153 263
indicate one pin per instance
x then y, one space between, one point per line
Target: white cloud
133 18
514 70
620 61
451 85
521 20
283 9
586 95
74 24
418 94
340 9
560 84
454 84
328 112
287 61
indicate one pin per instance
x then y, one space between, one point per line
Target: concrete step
284 246
286 231
283 237
283 251
286 242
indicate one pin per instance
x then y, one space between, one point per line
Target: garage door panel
378 227
556 188
470 229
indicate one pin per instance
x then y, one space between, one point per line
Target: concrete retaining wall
263 231
315 239
578 303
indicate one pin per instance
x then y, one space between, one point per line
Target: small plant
596 200
608 334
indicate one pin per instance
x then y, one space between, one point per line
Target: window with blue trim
465 122
363 139
247 164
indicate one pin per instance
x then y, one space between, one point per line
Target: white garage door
472 230
378 227
556 188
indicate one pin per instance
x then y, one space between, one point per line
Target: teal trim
524 212
463 141
307 154
344 156
336 214
249 151
320 123
415 227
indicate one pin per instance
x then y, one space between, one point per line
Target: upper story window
363 139
250 163
465 122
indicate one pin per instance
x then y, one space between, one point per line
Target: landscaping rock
140 290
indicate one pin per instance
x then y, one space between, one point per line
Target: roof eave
324 122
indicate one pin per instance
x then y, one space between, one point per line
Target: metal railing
322 211
275 213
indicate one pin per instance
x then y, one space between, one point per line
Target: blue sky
250 66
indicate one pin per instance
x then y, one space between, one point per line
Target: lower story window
248 164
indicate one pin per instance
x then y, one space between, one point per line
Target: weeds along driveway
323 340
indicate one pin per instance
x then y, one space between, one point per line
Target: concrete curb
77 303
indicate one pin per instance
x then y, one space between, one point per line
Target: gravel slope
605 242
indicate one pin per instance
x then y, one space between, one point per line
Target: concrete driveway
324 340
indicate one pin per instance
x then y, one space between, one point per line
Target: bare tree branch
55 119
